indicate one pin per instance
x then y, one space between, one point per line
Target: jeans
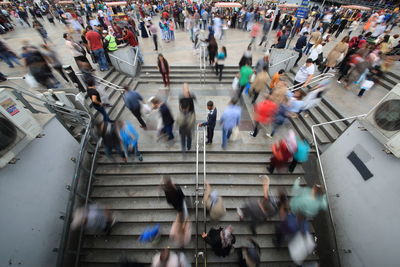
218 70
155 41
109 149
256 128
300 51
186 141
103 112
168 130
308 47
8 57
204 24
138 115
101 58
226 133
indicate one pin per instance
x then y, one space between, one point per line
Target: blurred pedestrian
77 50
259 84
220 62
307 201
129 137
264 113
53 60
166 116
109 132
280 155
181 231
221 240
229 120
173 193
133 101
214 203
250 255
186 121
95 218
7 55
257 211
94 96
245 74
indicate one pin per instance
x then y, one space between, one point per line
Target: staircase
131 191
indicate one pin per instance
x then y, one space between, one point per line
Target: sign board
302 11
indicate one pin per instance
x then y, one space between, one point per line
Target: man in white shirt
380 29
304 74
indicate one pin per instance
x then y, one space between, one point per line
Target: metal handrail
315 79
104 82
197 189
280 62
202 63
87 199
71 199
134 60
322 170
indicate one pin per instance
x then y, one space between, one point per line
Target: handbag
235 83
235 133
300 246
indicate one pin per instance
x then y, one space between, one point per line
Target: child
211 121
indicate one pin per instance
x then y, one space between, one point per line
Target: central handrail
197 189
104 82
280 62
322 169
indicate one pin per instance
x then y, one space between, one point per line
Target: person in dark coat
212 50
250 255
211 121
173 193
166 116
163 68
221 240
143 30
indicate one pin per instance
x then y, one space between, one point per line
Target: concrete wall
33 196
365 213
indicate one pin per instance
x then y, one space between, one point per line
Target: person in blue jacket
129 137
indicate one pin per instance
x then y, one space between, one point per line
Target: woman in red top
264 113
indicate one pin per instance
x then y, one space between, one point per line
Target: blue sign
301 12
304 3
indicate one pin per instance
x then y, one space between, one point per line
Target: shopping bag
235 83
247 88
235 133
31 81
300 246
146 109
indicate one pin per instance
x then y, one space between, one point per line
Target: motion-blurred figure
221 240
256 211
214 203
95 218
181 230
129 137
250 255
173 193
108 131
167 258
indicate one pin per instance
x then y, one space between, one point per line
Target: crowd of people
92 30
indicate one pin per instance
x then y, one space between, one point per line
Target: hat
105 31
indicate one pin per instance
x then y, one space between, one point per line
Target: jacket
215 206
265 111
211 119
186 122
260 82
166 115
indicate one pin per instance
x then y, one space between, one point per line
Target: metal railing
104 82
282 61
203 63
318 78
322 169
88 189
197 189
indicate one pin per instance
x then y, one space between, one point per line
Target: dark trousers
293 165
297 84
263 39
308 48
241 88
103 112
218 70
168 130
186 141
325 69
165 77
300 51
255 97
60 70
138 115
155 41
210 134
256 129
360 94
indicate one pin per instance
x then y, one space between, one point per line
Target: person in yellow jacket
109 44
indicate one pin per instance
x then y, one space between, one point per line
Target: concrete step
188 80
159 169
268 255
184 179
155 191
331 132
191 158
184 75
135 229
393 76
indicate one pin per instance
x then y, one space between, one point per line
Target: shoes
208 142
239 212
251 133
269 135
140 158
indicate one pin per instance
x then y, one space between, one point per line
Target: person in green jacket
245 74
307 201
110 42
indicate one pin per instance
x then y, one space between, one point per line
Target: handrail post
197 195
